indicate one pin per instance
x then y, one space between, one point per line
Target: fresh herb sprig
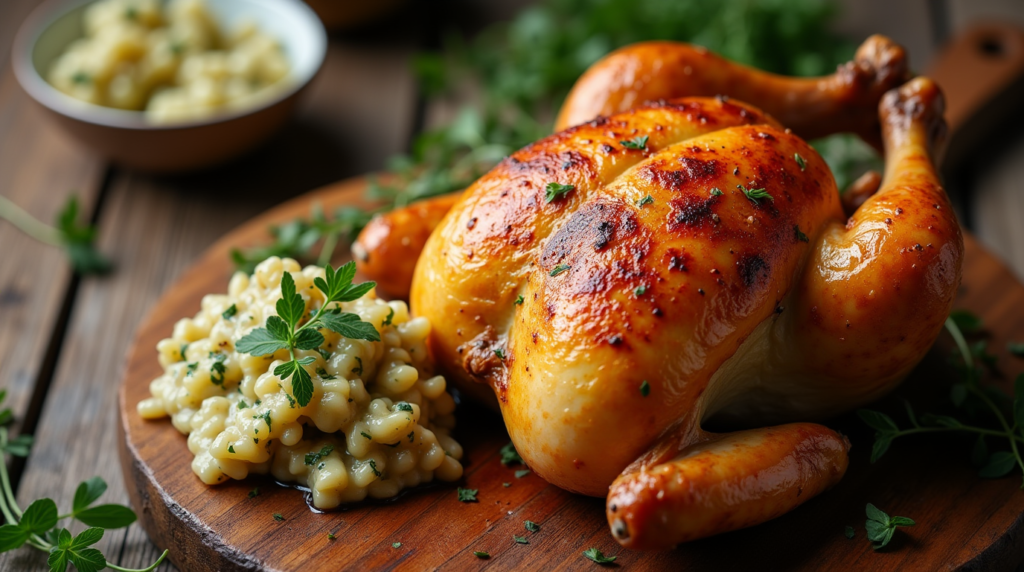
881 527
967 394
37 527
283 332
76 240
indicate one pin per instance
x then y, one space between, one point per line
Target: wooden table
63 339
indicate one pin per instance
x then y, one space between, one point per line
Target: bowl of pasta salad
169 85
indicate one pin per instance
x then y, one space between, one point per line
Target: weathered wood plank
39 170
357 114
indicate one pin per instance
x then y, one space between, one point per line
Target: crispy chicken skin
722 303
844 101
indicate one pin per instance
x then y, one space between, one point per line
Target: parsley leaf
531 526
519 301
509 455
290 307
755 195
849 532
278 517
396 545
558 269
522 473
262 341
645 388
230 312
467 495
716 192
881 526
481 554
640 290
314 458
597 556
520 539
350 326
500 353
254 493
799 235
635 143
648 200
555 191
800 161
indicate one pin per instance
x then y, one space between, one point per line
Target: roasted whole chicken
676 256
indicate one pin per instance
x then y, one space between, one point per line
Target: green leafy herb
324 375
467 495
716 192
519 300
635 143
373 468
558 269
500 353
77 241
849 532
597 556
531 526
755 195
648 200
640 290
881 527
242 404
367 435
230 312
509 455
800 161
231 449
314 458
481 554
391 316
330 536
254 493
37 525
800 235
277 516
402 406
396 545
645 388
554 191
217 369
282 332
522 473
520 539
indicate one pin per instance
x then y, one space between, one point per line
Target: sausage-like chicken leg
387 249
870 303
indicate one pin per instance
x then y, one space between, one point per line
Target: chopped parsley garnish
314 458
358 370
755 195
555 190
558 269
282 332
640 290
519 300
522 473
881 527
481 554
800 235
403 406
598 556
467 495
635 143
330 536
324 375
396 545
326 354
278 517
231 449
373 467
254 493
218 369
520 539
645 388
192 367
182 350
648 200
242 404
81 78
367 435
291 400
230 312
716 192
266 419
500 353
800 161
391 315
509 455
532 526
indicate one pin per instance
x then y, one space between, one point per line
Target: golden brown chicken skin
710 272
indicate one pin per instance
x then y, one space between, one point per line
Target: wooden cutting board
964 522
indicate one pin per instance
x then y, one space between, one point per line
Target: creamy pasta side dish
171 60
378 421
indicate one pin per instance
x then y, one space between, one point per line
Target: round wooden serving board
963 521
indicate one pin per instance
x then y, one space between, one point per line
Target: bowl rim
59 102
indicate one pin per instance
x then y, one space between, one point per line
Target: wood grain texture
963 521
39 170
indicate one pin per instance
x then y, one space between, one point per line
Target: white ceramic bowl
127 137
